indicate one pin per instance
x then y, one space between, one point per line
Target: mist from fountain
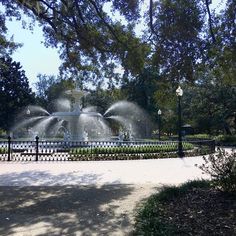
62 104
42 126
38 109
26 122
124 108
76 123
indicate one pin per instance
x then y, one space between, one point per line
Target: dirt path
70 210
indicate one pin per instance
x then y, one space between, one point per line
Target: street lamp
179 94
159 124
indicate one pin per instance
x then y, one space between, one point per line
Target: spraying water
77 123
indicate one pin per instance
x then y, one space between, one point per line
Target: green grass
150 219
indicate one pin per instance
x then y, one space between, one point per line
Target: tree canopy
15 92
6 46
91 41
182 42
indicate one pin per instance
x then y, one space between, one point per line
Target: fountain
79 123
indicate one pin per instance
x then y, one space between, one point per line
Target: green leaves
88 37
222 169
178 25
14 91
131 149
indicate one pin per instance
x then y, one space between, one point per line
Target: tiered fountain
77 123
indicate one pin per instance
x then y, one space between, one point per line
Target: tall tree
88 37
175 30
49 88
6 46
93 42
43 84
141 89
210 106
15 92
223 54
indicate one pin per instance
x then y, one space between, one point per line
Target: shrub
3 150
131 149
198 136
226 139
222 169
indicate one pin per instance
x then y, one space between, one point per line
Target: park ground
83 198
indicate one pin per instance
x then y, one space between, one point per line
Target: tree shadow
44 178
61 210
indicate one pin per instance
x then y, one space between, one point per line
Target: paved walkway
162 171
82 198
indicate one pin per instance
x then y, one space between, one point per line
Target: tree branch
210 21
151 19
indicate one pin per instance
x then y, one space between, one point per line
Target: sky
35 58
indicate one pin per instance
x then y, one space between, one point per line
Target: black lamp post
159 124
179 94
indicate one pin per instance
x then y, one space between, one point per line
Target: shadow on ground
44 178
62 210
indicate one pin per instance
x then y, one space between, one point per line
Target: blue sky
35 58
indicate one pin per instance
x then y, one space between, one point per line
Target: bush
198 136
226 140
3 150
3 133
131 149
222 169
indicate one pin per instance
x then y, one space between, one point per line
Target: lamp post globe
179 94
28 111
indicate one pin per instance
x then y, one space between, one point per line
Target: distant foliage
15 92
198 136
222 169
226 139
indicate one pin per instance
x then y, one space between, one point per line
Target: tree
49 88
175 30
89 38
92 42
15 92
141 88
43 84
6 46
209 106
103 98
222 55
151 92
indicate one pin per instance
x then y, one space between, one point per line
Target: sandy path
162 171
70 210
82 198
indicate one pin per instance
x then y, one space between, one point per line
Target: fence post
9 149
91 151
213 146
37 148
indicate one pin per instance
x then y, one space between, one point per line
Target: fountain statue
79 123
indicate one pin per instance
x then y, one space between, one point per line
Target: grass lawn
194 208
